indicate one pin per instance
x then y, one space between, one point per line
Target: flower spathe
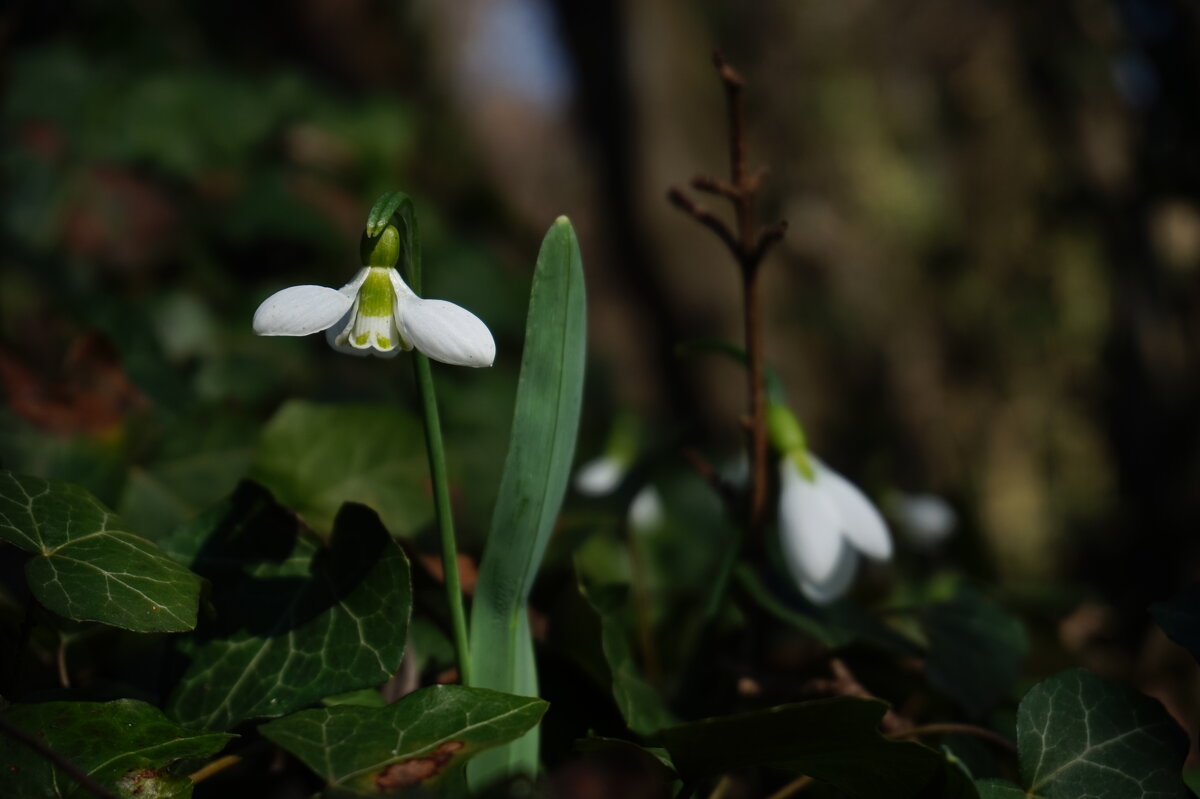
825 524
376 313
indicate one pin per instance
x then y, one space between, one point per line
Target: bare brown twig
748 249
845 683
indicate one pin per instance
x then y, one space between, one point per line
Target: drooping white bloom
599 476
825 523
604 474
927 519
376 313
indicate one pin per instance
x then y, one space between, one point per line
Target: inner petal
374 325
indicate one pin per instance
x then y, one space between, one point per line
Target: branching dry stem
748 250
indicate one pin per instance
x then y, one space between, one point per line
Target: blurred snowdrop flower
376 313
646 510
825 522
604 474
927 519
599 476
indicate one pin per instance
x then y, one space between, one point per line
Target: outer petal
839 580
400 287
300 311
599 476
809 527
861 523
360 277
445 332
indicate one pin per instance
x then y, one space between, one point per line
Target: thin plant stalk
445 519
423 373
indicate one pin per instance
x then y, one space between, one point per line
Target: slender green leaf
1081 736
295 621
416 741
976 650
126 746
86 566
654 756
833 740
536 470
315 457
641 706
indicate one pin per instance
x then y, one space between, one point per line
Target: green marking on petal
803 464
376 295
361 339
383 342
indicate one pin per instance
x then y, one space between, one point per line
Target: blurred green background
989 289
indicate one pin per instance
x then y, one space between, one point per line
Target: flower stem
445 520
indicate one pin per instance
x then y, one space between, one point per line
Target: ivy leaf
833 740
1180 618
295 620
125 746
86 566
1080 735
998 789
976 650
640 705
417 740
313 458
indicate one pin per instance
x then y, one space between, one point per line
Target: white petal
861 522
598 477
300 311
928 519
843 574
445 332
338 336
399 286
646 510
360 277
809 527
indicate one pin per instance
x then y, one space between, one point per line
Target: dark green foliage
87 566
835 741
420 740
126 746
976 650
1180 618
294 619
1081 736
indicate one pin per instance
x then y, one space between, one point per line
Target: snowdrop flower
927 518
825 522
376 313
602 475
599 476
